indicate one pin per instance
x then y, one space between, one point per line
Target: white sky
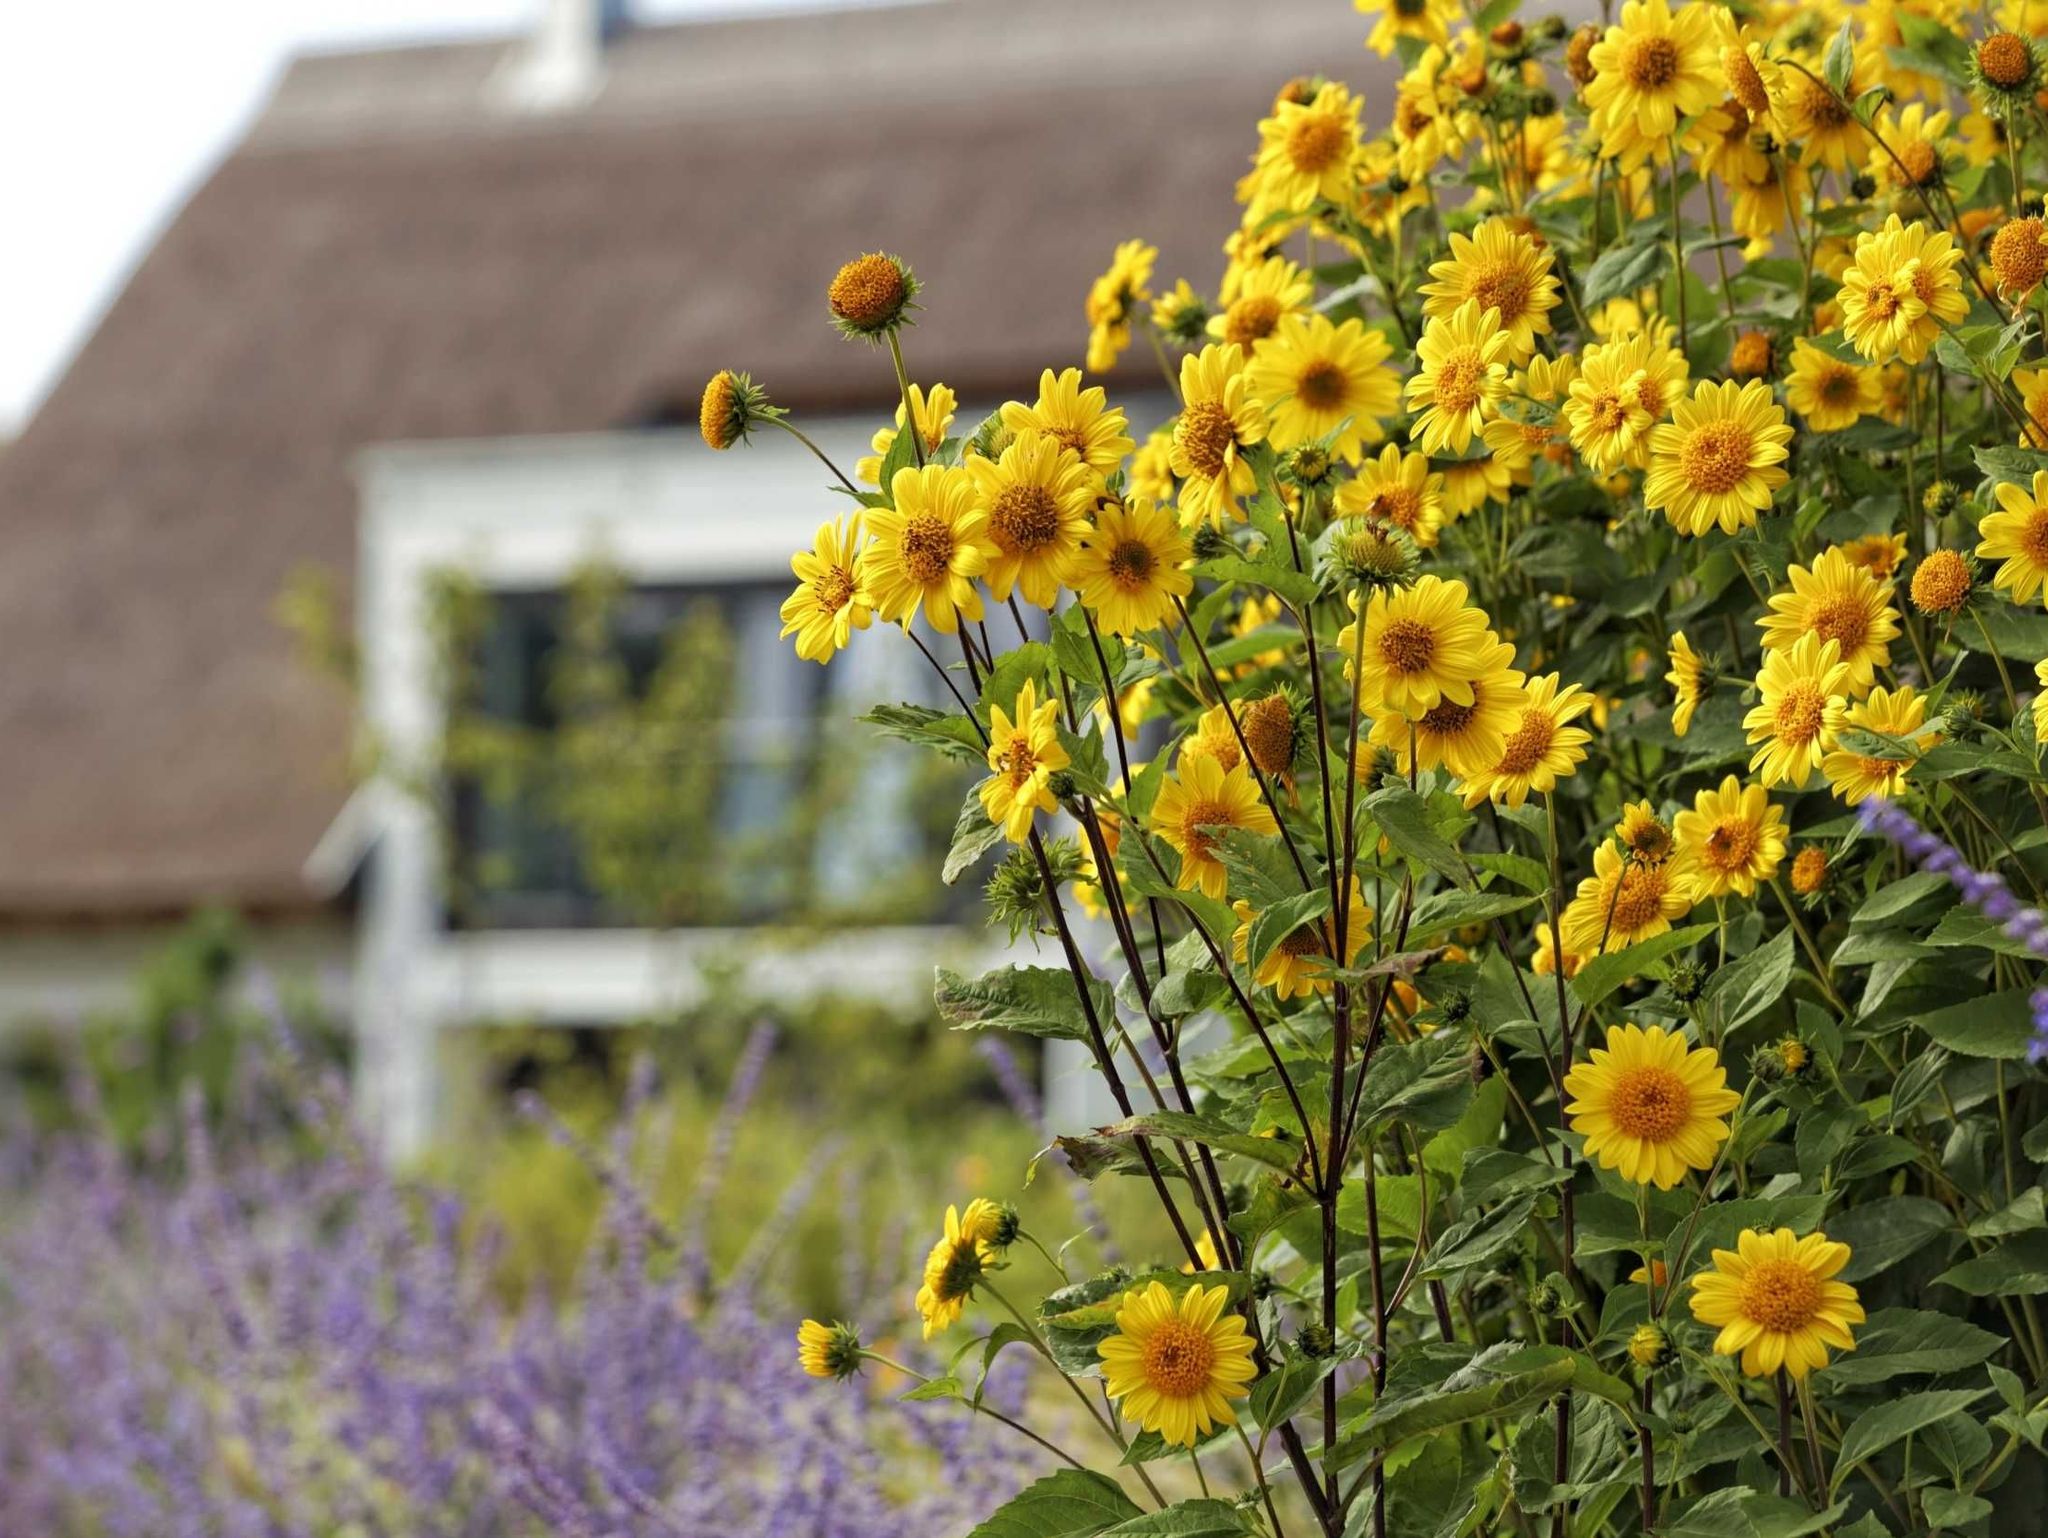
112 111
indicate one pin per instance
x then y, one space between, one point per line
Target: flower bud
872 295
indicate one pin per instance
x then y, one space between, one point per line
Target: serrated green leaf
1073 1503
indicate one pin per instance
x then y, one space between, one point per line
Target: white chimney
561 64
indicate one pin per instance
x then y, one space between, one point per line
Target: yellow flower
1916 138
1754 78
1467 739
1300 963
1131 566
1266 293
1818 123
1214 737
1776 1303
1604 409
1036 500
1720 459
1656 66
1545 960
1943 582
1113 299
1801 711
953 1268
2041 701
1900 712
1023 753
1878 554
1082 420
871 296
2032 385
832 599
1541 748
1398 489
1461 375
1201 798
1469 483
1688 676
1501 269
1427 21
1429 120
828 1350
1218 421
1648 1108
1902 286
1733 838
1173 1367
2016 536
1829 393
1422 645
1643 836
929 548
934 416
1767 203
1180 314
1314 377
1809 870
1625 902
1838 601
1152 468
2019 256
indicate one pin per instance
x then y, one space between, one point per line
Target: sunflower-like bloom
1399 489
1818 123
1649 1108
1903 284
2019 256
832 598
1470 483
1023 754
1173 1367
1720 459
1301 962
1422 645
1644 837
1943 582
1544 962
1801 711
1113 299
1306 153
1131 566
1081 419
1838 601
1036 499
1829 393
2032 387
1810 870
1878 554
1316 377
1656 66
2016 536
1776 1303
1918 138
1901 713
1461 375
1265 294
1499 268
955 1265
1218 421
1200 799
934 416
1214 736
1626 901
2041 701
1604 409
1755 80
1541 748
1733 837
828 1350
1466 739
1431 122
1427 21
1688 678
929 548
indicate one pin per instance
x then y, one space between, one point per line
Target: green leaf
1403 817
1884 1232
1029 661
1276 1153
953 735
973 836
1840 60
1748 986
2017 1267
932 1388
1452 1404
1897 1342
1952 1510
2011 464
1277 921
1190 1519
1073 1503
1603 974
1033 1001
1894 1420
1998 1026
1296 587
1443 911
1623 269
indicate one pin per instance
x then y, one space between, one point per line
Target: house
454 304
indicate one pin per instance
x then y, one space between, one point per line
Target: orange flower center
1071 437
1809 870
1201 815
1529 742
1780 1295
1920 162
1744 81
2033 538
1650 1102
1268 726
1251 319
1025 519
1018 761
1178 1359
1731 844
1457 380
1801 710
867 291
1650 395
1501 285
1396 504
1836 387
1447 719
1606 412
1317 142
1641 901
927 548
2005 60
1321 385
1715 459
1844 619
833 588
1941 584
1649 63
1205 435
1131 564
1407 646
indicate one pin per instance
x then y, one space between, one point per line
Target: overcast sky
112 110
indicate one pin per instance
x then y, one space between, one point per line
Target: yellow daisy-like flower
1180 314
1688 676
1430 121
1498 268
1081 419
2019 256
1818 123
1768 203
832 599
1023 753
1114 299
1776 1303
929 548
1625 902
1131 566
1422 645
1720 459
1306 150
1544 962
1878 554
1900 712
1174 1366
1604 410
1829 393
1398 489
1918 138
1733 838
1301 962
1902 285
1809 870
2016 536
1265 294
1643 835
1152 468
1656 66
828 1350
1470 483
1314 376
1214 737
1541 748
1466 739
1218 421
1036 500
2032 385
2041 701
934 416
1201 798
1837 601
1461 375
954 1267
1427 21
1754 79
1649 1108
1801 712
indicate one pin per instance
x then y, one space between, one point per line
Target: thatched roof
391 254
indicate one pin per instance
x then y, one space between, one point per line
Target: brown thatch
389 257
